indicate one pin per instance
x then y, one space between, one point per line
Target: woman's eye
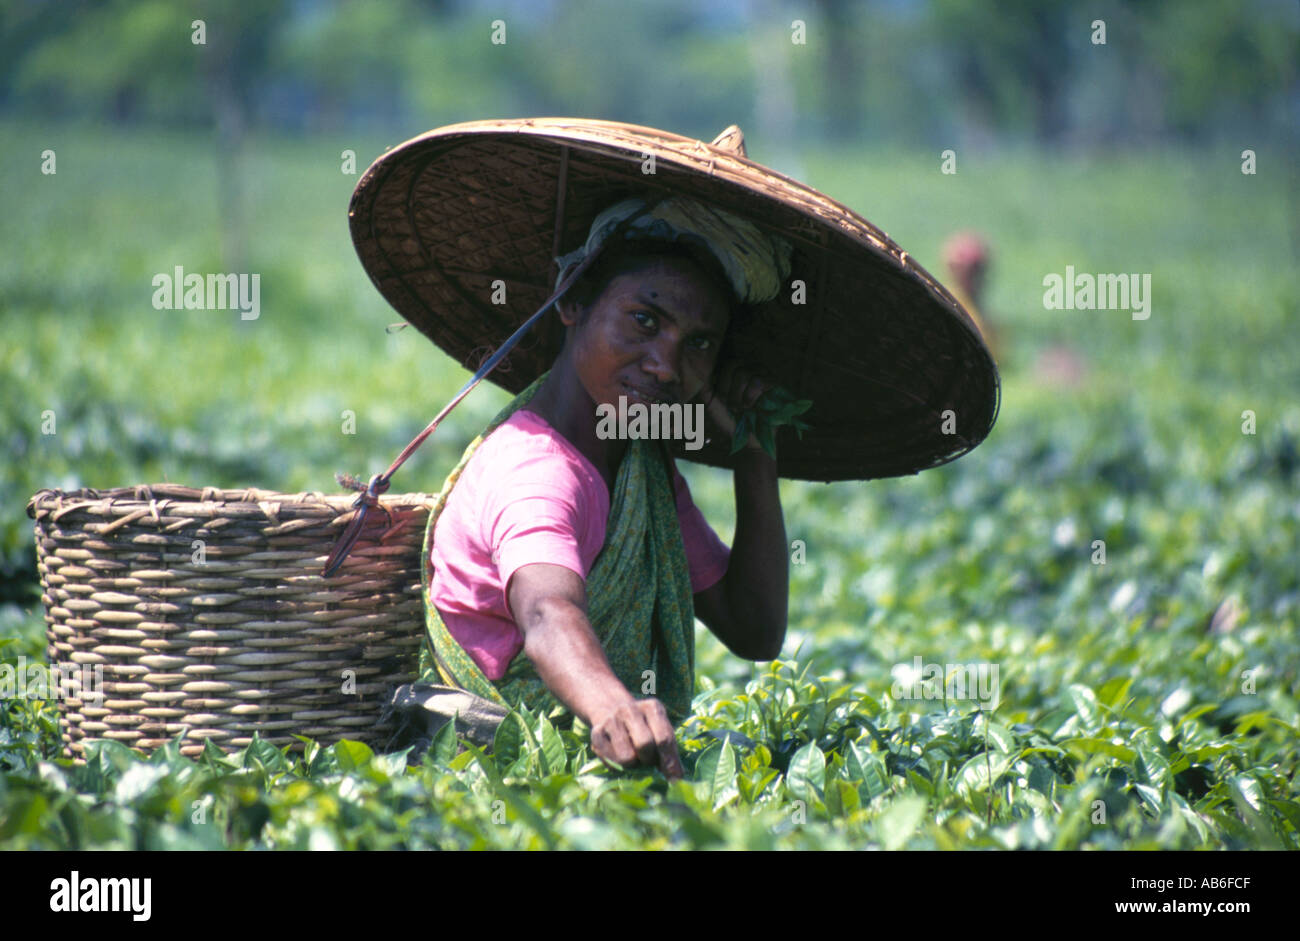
649 318
703 344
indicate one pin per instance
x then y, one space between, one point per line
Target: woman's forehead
676 285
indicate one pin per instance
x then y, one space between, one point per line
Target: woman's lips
643 395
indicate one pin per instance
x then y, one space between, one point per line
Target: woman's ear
568 310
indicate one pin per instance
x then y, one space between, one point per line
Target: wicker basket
208 614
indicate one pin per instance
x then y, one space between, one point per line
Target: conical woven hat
899 376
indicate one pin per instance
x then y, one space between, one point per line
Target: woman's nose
662 362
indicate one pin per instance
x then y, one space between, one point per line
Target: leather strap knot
367 497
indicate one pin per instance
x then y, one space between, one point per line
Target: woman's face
652 335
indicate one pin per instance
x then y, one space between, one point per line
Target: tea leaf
899 821
806 778
352 755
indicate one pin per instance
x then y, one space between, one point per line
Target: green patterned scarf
639 599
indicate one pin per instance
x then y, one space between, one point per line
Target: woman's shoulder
525 449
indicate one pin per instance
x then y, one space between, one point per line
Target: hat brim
897 371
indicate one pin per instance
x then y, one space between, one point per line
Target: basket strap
369 494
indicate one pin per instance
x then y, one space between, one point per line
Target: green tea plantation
1114 573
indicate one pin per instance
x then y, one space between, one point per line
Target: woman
566 569
523 524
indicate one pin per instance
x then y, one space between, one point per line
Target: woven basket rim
168 496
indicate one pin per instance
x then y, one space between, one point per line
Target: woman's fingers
637 722
738 387
614 743
665 741
625 738
639 733
732 391
754 389
652 735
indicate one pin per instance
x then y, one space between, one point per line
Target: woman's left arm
747 608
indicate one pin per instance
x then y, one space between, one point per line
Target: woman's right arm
549 605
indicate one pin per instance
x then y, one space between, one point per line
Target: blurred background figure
966 256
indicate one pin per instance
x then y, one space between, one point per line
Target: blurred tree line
921 72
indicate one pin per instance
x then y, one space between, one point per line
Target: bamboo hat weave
897 371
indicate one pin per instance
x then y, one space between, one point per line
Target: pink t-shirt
528 495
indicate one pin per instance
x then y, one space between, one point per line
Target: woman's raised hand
734 389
